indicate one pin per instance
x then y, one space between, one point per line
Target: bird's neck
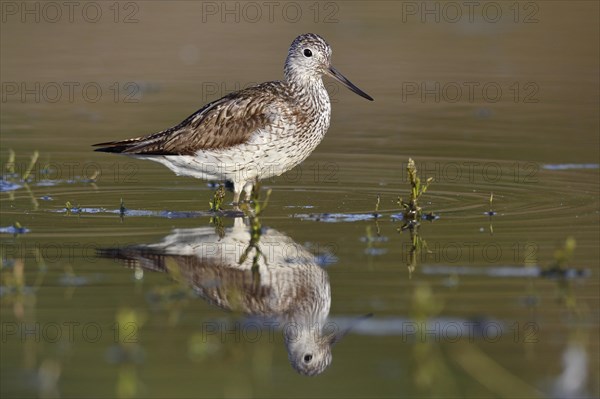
310 92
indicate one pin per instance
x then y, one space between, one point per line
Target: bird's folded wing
227 122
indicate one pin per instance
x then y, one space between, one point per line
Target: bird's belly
266 155
275 157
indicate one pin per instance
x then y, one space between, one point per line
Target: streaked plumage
255 133
290 288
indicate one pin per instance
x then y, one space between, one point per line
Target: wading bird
252 134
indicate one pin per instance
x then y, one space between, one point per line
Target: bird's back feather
221 124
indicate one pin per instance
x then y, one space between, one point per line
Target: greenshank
252 134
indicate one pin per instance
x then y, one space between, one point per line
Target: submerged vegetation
10 171
217 202
412 214
23 175
122 208
562 257
32 163
491 211
72 208
417 246
254 210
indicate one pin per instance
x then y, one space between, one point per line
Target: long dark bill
334 73
337 336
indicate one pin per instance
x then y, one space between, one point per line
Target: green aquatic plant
17 227
256 206
202 346
563 255
9 167
372 239
411 210
11 175
69 206
217 203
72 208
376 214
16 292
491 213
34 201
256 209
216 207
122 210
417 246
31 165
431 373
14 278
580 315
219 227
129 351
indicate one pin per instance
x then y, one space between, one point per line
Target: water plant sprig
9 167
411 210
257 207
217 203
32 162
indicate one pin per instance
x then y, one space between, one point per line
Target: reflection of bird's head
309 346
309 350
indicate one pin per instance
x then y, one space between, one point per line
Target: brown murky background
501 98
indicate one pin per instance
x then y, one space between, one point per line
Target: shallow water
476 312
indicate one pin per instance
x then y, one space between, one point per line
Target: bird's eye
307 358
307 52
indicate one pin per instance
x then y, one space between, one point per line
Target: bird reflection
285 284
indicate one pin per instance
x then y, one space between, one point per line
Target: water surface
472 314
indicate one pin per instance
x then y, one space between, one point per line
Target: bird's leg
248 191
237 191
236 199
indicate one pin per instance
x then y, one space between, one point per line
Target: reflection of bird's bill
334 73
336 337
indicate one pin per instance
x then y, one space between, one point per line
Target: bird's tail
122 146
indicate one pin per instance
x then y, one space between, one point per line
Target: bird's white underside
267 154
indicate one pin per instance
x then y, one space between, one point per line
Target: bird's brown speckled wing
219 283
221 124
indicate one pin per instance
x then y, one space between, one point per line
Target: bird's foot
247 207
